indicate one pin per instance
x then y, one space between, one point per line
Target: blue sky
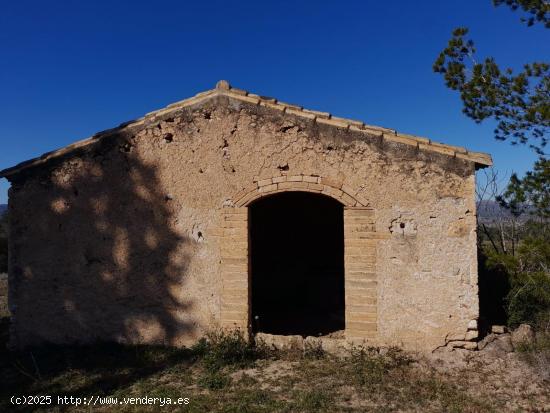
72 68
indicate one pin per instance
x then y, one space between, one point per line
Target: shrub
537 352
529 299
214 380
313 351
528 272
370 366
314 400
221 349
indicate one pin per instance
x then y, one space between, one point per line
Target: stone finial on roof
223 85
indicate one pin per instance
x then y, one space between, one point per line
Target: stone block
498 329
523 335
471 335
245 200
312 179
235 283
360 317
361 284
240 223
486 340
315 187
361 243
348 200
234 271
363 308
400 139
354 226
348 190
335 193
355 250
268 188
500 346
456 337
360 275
441 149
240 293
468 345
368 259
360 266
235 217
334 183
358 326
292 342
361 300
233 275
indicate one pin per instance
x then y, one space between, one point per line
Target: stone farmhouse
234 210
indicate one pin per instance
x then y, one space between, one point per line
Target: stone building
235 210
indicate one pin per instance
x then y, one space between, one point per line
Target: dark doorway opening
493 287
297 264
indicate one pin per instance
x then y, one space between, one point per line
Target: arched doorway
297 264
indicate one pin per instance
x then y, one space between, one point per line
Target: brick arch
360 254
304 183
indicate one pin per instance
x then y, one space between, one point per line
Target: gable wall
125 241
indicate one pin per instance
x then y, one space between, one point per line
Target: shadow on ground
79 370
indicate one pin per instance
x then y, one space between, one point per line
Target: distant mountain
489 212
3 208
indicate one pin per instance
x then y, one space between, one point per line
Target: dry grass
226 374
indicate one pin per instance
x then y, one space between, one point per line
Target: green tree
519 103
530 194
538 10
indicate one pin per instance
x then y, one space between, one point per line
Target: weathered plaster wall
121 240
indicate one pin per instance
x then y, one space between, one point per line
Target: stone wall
142 236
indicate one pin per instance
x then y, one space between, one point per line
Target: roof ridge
223 88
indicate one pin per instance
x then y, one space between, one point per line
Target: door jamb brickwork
361 280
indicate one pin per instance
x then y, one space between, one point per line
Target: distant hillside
3 208
489 212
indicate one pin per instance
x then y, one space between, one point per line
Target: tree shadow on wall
102 259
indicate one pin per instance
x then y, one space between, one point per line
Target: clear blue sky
72 68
